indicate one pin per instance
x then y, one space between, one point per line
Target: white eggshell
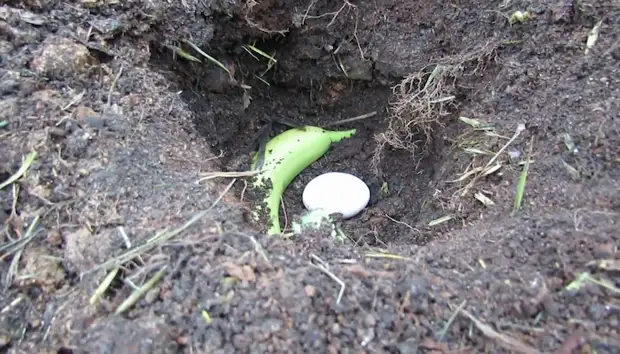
337 192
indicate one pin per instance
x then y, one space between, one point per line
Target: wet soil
126 116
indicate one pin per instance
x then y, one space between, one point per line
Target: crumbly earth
124 126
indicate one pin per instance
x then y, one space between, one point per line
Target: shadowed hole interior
395 151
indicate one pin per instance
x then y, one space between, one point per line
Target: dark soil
124 129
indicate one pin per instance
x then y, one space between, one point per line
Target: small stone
35 322
5 340
248 273
60 193
5 13
60 58
6 47
82 112
70 126
9 109
332 349
604 250
310 290
598 312
115 122
369 320
446 295
151 295
91 3
241 273
32 18
241 342
106 26
410 345
77 143
615 53
561 11
365 335
359 69
96 122
20 35
54 238
418 286
39 4
10 80
57 132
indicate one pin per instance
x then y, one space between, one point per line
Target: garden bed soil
126 116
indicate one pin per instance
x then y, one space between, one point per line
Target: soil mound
488 133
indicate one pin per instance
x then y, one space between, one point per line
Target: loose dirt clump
115 116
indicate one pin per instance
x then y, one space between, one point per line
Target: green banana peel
285 156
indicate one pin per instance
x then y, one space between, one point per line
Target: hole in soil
230 118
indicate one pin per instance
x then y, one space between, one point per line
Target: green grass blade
523 180
25 166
